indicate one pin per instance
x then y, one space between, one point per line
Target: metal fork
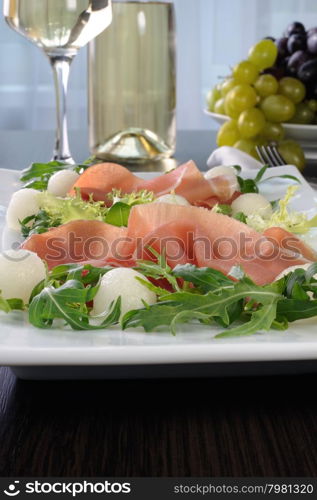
269 155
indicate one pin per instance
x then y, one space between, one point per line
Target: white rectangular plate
58 353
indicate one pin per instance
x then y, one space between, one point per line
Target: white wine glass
60 28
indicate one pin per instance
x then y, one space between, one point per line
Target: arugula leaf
293 309
262 319
247 185
208 307
151 318
204 278
260 173
38 223
68 302
37 175
157 270
118 214
285 176
85 273
251 185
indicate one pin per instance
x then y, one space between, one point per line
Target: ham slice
289 241
208 239
186 235
78 241
186 180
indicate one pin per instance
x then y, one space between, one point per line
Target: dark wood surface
212 427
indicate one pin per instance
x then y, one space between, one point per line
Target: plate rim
290 126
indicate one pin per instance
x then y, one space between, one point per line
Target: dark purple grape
281 44
307 72
312 43
296 42
276 71
296 60
295 27
281 62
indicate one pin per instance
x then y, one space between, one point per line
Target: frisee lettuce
295 222
135 198
55 211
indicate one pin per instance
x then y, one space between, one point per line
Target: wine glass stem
61 66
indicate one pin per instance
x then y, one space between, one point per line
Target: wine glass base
68 160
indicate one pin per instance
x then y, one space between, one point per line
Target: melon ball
20 272
229 172
61 182
252 204
122 282
172 199
221 170
23 203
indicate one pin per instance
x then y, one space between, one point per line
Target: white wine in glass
60 28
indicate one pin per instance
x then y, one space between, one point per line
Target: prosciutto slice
185 234
186 180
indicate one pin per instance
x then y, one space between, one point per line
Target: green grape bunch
275 84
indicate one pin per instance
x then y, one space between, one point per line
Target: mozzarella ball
221 170
172 199
20 272
252 204
121 282
61 182
292 269
23 203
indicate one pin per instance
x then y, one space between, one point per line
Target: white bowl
304 134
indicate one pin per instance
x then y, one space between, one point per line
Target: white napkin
227 156
231 156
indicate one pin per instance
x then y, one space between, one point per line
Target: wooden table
191 427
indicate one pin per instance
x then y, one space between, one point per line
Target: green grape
263 54
212 97
277 108
248 146
303 114
251 122
266 85
245 72
227 85
273 131
219 107
241 97
229 111
228 134
312 103
292 153
292 88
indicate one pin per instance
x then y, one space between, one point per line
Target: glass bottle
132 83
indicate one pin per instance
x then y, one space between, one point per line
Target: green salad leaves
37 175
196 295
55 211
